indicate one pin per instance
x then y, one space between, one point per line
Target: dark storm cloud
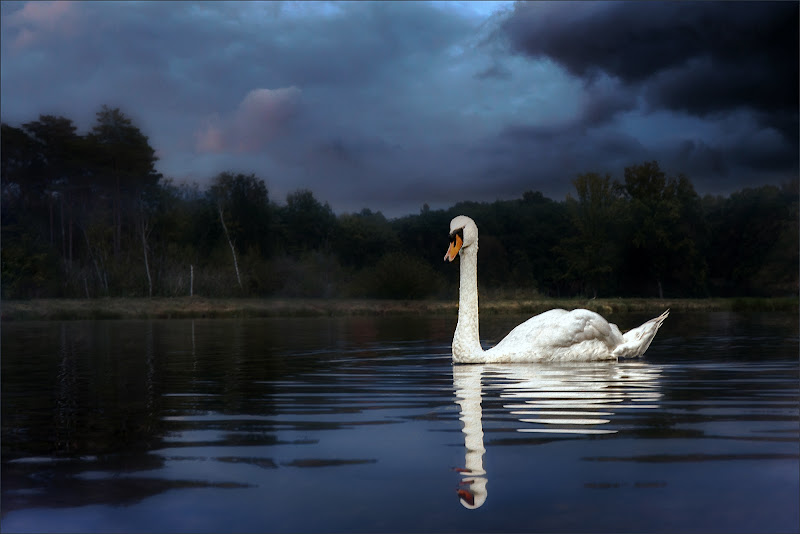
604 102
703 88
697 57
568 149
733 65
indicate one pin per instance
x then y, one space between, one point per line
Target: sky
392 105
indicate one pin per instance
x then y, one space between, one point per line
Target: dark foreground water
362 424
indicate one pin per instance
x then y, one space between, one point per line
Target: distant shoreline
199 307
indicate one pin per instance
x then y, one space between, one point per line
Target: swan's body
555 335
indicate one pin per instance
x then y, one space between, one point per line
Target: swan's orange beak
455 246
468 497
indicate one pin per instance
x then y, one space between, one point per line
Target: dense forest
89 216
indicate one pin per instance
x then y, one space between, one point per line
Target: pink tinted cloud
261 116
210 140
38 20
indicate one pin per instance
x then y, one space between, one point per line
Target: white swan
555 335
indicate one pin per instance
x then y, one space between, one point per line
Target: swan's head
475 496
463 234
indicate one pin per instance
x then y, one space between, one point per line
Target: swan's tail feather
638 339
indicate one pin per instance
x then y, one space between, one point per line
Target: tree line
88 215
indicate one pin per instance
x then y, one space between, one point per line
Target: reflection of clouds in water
575 399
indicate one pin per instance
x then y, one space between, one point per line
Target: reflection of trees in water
76 388
61 483
96 396
85 404
549 400
66 402
98 411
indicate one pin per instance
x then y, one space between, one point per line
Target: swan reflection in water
565 399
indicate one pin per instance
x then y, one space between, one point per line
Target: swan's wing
560 335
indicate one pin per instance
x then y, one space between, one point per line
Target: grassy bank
186 307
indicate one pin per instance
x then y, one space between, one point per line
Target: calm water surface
362 424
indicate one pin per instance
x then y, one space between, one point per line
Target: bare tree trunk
146 263
63 237
191 285
69 244
50 195
117 215
233 250
100 274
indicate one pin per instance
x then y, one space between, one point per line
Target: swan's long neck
466 341
467 383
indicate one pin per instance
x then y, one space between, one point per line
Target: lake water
362 424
